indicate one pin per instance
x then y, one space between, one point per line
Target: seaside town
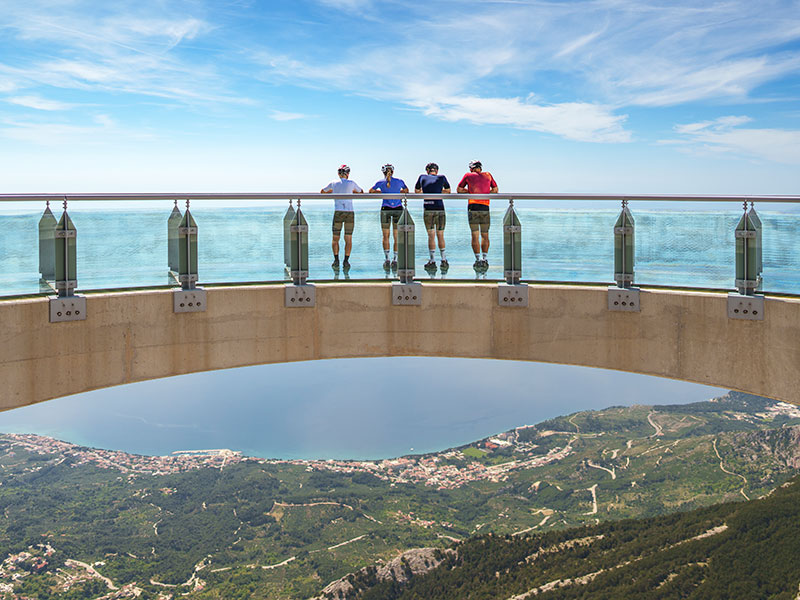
444 470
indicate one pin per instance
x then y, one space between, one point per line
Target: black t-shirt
432 184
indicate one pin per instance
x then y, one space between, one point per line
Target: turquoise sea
120 247
347 408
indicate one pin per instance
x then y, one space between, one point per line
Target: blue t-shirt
432 184
391 188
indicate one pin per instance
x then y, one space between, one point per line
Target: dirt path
593 489
724 470
90 569
659 430
578 429
355 539
610 471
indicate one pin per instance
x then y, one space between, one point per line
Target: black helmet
386 168
344 170
431 167
475 164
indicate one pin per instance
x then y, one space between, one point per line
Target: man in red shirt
478 182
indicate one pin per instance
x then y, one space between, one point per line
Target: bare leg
394 233
440 235
485 241
335 244
348 243
432 239
476 246
385 239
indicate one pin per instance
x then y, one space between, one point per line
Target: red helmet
344 170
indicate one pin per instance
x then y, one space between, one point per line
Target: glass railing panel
781 251
566 244
119 248
685 248
19 252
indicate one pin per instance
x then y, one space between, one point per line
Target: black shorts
390 216
346 218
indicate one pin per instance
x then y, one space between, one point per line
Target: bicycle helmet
344 170
431 167
475 164
386 168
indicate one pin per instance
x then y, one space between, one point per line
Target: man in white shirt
343 214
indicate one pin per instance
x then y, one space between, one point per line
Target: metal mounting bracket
515 294
750 308
624 299
407 294
300 296
184 301
67 308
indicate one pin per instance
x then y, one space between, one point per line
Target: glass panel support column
623 296
512 292
47 247
67 306
746 303
287 238
299 293
173 244
189 298
408 291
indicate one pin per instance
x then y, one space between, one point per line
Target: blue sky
240 95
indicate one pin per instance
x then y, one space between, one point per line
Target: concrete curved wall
134 336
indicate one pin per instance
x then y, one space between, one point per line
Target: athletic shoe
477 264
394 265
431 264
485 264
346 264
387 265
335 263
444 265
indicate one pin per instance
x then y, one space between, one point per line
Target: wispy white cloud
128 48
571 120
726 135
38 103
458 64
280 115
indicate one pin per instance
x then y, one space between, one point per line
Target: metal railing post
746 303
623 296
512 292
67 306
299 293
408 291
405 246
189 298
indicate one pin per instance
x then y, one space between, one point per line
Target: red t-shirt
478 183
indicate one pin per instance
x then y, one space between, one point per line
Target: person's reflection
345 272
430 269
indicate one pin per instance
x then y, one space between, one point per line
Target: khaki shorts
390 216
346 218
434 219
478 220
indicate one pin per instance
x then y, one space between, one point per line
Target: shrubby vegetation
279 530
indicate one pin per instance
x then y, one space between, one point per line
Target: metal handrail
409 196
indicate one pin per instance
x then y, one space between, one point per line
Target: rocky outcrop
400 569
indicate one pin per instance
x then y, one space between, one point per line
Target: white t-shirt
342 186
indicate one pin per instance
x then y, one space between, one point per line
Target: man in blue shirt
391 210
434 217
